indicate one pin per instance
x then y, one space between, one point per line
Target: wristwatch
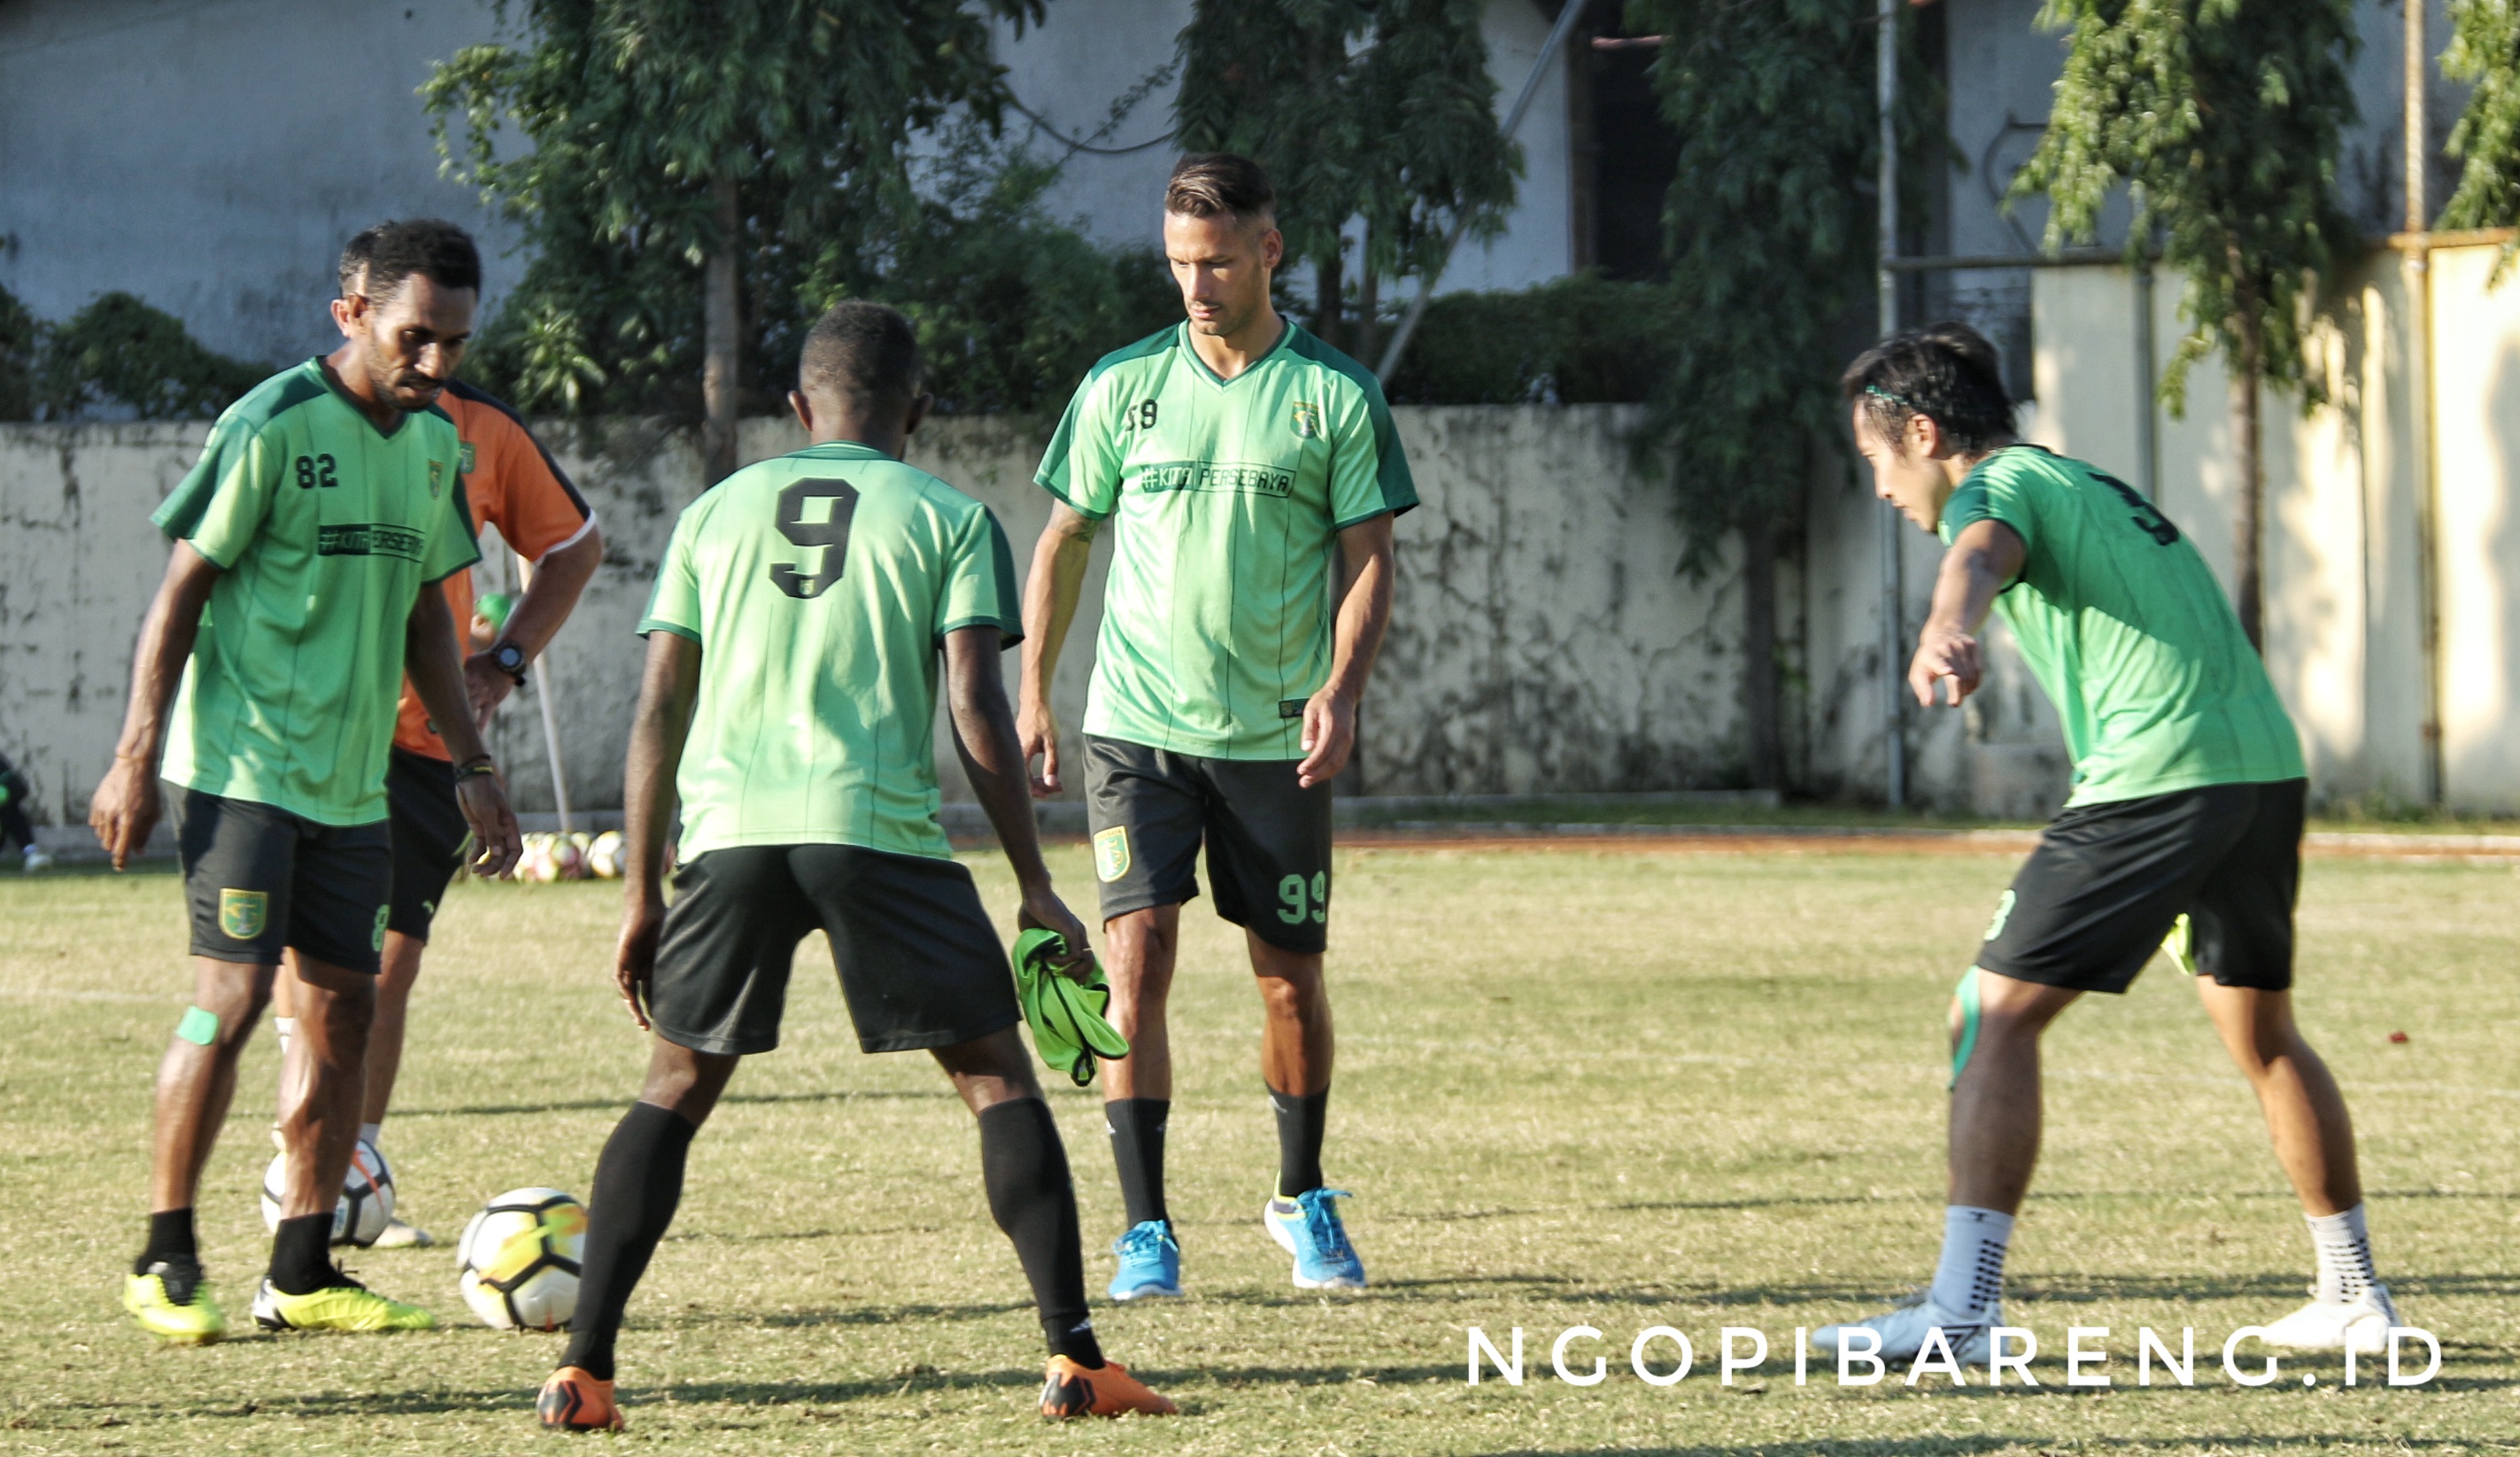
509 659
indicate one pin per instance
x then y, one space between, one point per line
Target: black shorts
919 963
428 836
2095 901
258 879
1268 838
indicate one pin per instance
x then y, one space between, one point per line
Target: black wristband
475 769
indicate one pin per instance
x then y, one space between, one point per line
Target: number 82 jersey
820 586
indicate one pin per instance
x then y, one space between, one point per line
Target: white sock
2344 1248
287 1028
1969 1278
368 1133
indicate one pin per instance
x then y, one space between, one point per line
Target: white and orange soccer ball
603 857
367 1201
519 1258
568 857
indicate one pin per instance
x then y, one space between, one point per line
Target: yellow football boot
345 1306
173 1301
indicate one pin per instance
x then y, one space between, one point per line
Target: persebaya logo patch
437 477
243 914
2002 913
1111 853
464 461
382 913
1308 418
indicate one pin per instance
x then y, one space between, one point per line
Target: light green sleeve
2002 491
980 581
1368 471
675 605
452 546
1082 466
220 504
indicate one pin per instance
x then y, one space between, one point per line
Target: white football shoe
402 1234
2328 1325
36 860
1903 1331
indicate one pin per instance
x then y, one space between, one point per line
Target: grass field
1609 1088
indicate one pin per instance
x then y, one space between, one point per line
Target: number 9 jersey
2126 629
820 586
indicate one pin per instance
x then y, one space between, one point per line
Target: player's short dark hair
379 259
863 349
1946 372
1205 184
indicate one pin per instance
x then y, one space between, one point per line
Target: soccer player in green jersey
791 703
2186 802
324 505
1252 473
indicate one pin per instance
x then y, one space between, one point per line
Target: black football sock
301 1254
170 1238
1034 1201
1300 1122
638 1183
1136 1127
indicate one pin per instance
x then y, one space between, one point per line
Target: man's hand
485 688
634 963
1037 735
1330 738
1945 653
1043 910
124 808
496 844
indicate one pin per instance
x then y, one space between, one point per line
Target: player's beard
410 391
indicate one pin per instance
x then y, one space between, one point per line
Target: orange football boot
575 1402
1075 1391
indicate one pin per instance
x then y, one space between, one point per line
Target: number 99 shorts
1268 839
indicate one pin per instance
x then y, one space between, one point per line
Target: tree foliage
1772 240
2225 118
1375 109
1577 340
116 354
630 109
2485 52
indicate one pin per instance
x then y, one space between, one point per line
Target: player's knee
1297 996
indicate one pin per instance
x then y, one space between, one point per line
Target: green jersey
1230 495
324 529
820 586
2125 626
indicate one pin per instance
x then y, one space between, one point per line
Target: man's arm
668 691
124 807
552 591
1050 591
1365 569
993 759
437 676
1984 558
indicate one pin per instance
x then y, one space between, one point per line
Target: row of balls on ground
571 858
516 1265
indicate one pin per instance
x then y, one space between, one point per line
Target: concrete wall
1542 640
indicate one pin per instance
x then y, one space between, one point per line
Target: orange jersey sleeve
510 484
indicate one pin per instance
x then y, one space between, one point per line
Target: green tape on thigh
199 1028
1968 994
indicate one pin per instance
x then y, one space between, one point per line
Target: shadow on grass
1960 1446
622 1105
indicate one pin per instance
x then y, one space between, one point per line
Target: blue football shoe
1308 1228
1149 1261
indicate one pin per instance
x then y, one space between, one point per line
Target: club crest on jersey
1111 853
243 914
463 460
1308 418
436 479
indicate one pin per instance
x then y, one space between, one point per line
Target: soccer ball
568 857
603 857
537 864
367 1202
519 1258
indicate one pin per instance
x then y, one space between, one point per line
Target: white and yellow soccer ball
519 1259
603 857
537 863
568 857
367 1201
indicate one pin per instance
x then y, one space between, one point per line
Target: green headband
1877 393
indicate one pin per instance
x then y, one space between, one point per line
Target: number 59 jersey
820 586
2125 626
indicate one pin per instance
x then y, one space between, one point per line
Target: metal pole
2420 397
1567 15
2147 436
1893 588
550 720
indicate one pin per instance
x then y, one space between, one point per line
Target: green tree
1771 251
20 336
2222 119
2485 51
685 159
120 351
1381 110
